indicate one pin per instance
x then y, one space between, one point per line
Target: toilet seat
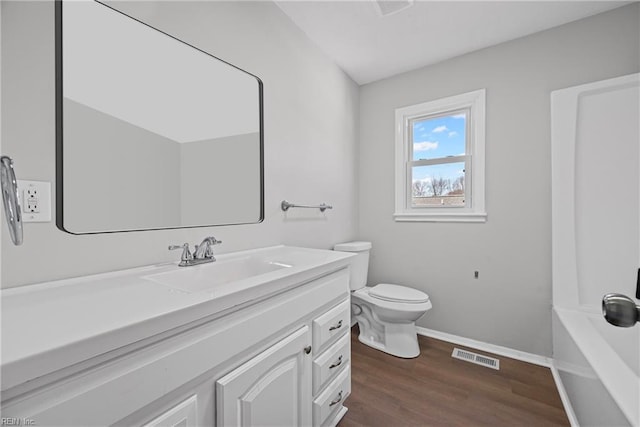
396 293
364 294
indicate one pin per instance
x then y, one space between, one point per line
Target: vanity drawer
331 400
328 364
331 325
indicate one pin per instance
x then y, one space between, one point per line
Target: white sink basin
235 271
205 277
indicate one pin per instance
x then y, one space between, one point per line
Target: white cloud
459 116
454 133
440 129
425 146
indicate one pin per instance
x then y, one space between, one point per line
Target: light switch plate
35 200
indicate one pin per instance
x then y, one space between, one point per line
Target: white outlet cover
41 191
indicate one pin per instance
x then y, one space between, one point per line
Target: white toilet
386 314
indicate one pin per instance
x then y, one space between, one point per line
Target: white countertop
49 326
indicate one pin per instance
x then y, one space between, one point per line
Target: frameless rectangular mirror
151 132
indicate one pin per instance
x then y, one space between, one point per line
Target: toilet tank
359 263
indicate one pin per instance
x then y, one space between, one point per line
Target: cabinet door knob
337 326
307 349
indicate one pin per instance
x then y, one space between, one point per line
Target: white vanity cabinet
281 360
275 387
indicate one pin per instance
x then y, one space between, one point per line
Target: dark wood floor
436 390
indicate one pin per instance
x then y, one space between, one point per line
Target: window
440 160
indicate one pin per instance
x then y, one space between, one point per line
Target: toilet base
400 339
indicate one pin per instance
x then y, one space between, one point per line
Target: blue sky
439 137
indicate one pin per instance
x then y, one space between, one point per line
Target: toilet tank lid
352 246
397 293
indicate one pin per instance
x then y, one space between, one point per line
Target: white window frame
474 158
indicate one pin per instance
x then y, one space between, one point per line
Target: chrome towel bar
286 205
10 199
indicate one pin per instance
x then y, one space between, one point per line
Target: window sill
441 217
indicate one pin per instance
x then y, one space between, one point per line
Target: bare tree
420 188
439 185
458 185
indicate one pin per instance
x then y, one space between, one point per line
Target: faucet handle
186 253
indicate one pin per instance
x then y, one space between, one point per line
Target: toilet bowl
385 313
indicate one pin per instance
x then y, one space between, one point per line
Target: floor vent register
478 359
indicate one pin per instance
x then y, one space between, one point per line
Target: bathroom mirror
151 132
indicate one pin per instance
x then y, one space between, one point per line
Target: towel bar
286 205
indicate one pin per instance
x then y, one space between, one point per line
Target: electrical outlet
31 200
35 200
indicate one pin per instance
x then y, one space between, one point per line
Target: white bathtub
599 368
596 247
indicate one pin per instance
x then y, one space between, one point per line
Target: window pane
440 136
438 185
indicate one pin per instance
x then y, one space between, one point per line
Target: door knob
620 310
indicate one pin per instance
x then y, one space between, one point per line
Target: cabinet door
182 415
272 389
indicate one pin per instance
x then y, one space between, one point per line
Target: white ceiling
370 47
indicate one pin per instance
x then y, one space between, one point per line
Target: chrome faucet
202 254
204 250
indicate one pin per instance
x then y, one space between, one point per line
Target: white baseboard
566 402
489 348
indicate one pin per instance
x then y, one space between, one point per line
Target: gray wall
311 116
221 180
510 303
98 168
